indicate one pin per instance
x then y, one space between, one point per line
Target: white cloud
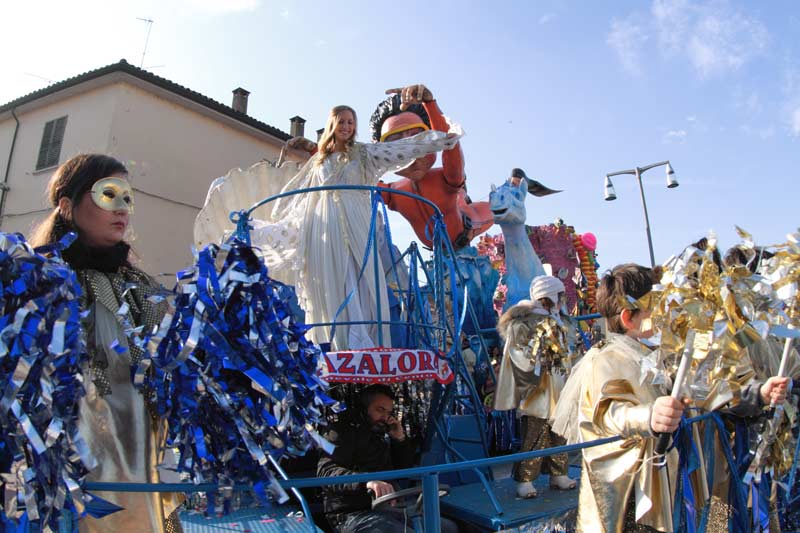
762 133
724 41
691 118
626 38
672 22
285 13
547 17
675 136
714 37
749 102
218 7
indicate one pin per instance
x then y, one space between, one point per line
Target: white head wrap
546 287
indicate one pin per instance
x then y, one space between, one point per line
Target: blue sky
569 91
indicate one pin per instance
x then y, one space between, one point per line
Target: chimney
240 100
319 133
297 129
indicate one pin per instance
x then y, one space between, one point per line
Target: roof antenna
48 80
149 23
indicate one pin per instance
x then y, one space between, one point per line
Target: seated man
370 439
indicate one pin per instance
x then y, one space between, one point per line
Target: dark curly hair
389 108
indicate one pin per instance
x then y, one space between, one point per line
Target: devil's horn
537 189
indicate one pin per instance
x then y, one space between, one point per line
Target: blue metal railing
428 474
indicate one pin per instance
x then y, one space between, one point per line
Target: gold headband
645 303
401 129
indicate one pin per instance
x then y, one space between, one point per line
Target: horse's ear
494 189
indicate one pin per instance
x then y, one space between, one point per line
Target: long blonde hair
327 142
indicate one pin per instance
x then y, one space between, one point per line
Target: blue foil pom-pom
43 459
232 372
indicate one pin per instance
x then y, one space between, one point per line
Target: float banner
385 365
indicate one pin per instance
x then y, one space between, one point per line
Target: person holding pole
623 486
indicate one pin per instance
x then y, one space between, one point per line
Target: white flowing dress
316 241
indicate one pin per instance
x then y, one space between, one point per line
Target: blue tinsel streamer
684 515
232 371
43 459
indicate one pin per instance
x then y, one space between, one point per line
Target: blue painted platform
252 520
470 503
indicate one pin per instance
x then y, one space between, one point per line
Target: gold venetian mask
113 194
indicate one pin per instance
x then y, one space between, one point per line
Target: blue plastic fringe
232 371
43 459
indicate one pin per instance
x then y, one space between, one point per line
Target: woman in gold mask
91 196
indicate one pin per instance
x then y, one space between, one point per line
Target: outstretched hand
301 143
412 94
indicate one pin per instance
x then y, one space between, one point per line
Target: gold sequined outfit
631 525
536 435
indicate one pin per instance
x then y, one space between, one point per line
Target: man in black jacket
370 440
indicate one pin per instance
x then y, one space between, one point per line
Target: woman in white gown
316 241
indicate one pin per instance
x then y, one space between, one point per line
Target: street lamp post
610 194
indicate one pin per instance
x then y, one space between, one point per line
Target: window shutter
41 162
55 145
52 138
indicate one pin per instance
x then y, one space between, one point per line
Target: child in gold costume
621 487
536 360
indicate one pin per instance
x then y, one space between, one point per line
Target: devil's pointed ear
538 189
494 189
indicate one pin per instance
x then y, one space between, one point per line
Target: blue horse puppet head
507 203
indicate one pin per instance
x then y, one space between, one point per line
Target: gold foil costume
535 360
114 419
608 394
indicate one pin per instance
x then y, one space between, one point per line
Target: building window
50 149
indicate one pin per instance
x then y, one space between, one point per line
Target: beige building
173 140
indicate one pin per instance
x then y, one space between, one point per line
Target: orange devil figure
409 111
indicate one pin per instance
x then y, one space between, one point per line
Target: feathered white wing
240 189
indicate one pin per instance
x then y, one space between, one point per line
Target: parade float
244 388
267 390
